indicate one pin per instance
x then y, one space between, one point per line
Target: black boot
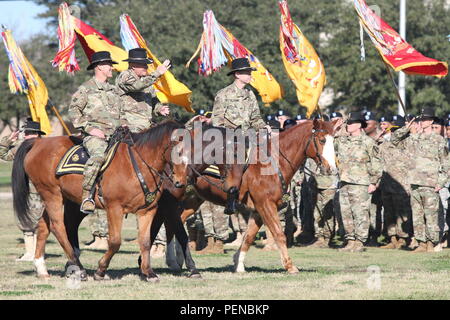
232 198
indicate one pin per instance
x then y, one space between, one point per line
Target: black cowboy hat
98 57
335 115
318 116
281 113
240 64
369 115
138 55
386 118
439 121
32 127
274 124
354 117
398 121
427 113
301 117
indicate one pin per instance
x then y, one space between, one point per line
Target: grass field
325 273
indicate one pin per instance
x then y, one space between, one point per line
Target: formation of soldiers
392 176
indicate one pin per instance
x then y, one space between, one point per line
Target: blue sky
21 18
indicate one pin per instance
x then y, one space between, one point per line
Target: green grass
325 273
5 176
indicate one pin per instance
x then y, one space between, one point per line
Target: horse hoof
139 261
240 270
293 270
83 275
98 277
151 279
43 276
194 275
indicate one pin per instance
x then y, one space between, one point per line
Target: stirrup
87 211
232 199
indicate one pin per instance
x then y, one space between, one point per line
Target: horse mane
156 134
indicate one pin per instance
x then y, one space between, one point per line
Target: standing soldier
138 96
95 110
428 173
236 107
8 149
323 191
359 171
395 191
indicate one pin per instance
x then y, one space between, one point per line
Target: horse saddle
75 158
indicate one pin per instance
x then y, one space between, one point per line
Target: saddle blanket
75 158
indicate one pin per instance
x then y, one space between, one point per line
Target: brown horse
263 193
121 189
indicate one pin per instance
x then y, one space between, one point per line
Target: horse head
320 146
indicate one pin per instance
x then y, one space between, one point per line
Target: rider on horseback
236 107
95 110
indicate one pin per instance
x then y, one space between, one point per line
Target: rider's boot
90 173
88 204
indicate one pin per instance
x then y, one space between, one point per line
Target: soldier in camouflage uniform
138 96
95 110
323 191
359 172
215 223
428 173
8 149
395 191
236 107
138 106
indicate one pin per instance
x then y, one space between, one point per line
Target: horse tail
20 186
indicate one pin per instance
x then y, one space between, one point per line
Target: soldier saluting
135 87
95 110
236 107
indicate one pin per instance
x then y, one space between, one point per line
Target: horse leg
145 244
254 224
55 212
269 214
115 220
72 219
43 231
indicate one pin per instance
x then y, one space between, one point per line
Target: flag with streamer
301 62
168 89
218 47
23 78
394 50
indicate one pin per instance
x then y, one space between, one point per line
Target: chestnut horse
263 193
122 193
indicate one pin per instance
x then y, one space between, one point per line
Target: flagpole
401 103
402 76
59 117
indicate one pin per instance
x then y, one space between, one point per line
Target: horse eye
322 141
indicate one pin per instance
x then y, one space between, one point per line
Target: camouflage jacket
358 160
9 148
234 107
95 105
395 168
139 101
427 155
321 180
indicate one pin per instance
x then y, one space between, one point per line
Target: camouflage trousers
397 214
324 220
98 223
96 148
238 221
215 221
425 211
355 206
37 208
